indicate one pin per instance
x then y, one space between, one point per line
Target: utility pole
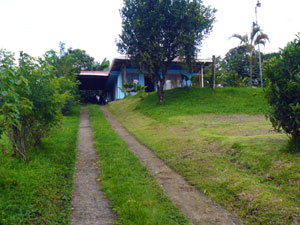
258 4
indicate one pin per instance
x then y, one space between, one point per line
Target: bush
63 67
283 92
233 79
31 100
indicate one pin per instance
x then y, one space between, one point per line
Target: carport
93 80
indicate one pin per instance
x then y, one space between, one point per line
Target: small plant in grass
283 93
141 91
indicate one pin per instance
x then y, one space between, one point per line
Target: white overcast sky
36 26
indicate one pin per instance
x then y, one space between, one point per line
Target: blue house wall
115 80
114 86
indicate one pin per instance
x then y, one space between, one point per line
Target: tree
283 92
236 61
82 61
256 37
156 32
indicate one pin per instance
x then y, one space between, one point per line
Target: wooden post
125 75
202 79
125 80
213 72
199 80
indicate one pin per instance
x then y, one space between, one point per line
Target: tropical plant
156 32
256 38
283 92
104 65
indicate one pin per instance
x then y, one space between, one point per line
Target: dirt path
89 205
194 204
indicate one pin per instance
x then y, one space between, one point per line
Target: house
122 71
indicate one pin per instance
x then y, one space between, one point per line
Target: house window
173 81
131 78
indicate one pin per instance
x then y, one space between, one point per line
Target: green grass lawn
221 142
39 191
185 101
133 192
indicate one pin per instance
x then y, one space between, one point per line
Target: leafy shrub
32 100
283 92
233 79
64 68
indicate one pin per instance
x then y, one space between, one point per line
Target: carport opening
92 87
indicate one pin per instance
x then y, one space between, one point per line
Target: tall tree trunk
251 70
18 138
160 93
160 88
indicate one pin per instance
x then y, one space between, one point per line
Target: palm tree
257 37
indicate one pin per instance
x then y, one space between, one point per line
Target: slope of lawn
187 101
133 192
39 191
221 142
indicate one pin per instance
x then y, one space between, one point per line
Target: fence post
213 72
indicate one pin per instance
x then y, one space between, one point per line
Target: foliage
82 61
185 79
104 65
255 38
236 61
283 92
219 73
130 88
233 79
63 68
39 191
195 80
32 100
10 103
141 91
135 195
271 55
156 32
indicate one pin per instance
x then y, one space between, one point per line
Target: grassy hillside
221 142
185 101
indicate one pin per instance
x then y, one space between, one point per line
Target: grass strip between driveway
134 193
39 191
